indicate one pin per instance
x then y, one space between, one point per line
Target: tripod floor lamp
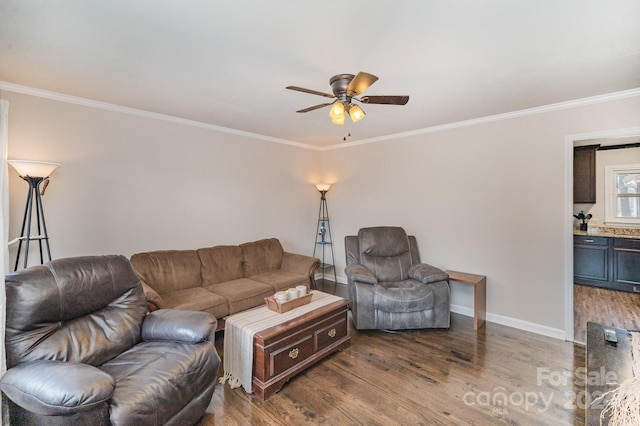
323 235
36 174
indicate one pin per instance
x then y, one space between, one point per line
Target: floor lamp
36 174
323 234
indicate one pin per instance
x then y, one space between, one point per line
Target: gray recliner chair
389 288
81 349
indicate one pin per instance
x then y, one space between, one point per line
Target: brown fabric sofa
221 280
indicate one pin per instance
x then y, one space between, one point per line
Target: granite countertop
606 231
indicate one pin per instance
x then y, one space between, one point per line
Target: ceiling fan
345 89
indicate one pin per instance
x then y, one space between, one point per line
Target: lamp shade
337 110
323 187
33 168
338 120
356 113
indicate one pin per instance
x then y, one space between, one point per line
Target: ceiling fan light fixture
345 87
337 110
338 120
356 113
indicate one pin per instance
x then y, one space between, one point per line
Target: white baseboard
555 333
339 279
532 327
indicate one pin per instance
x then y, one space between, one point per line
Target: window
622 194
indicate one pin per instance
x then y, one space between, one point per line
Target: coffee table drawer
328 334
288 356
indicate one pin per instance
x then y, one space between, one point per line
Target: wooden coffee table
282 351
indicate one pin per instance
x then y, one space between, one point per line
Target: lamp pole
36 174
26 237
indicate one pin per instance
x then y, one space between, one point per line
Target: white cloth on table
240 329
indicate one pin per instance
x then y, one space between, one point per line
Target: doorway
587 303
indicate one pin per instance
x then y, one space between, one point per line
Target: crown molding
11 87
498 117
25 90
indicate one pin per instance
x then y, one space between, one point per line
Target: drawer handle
293 354
332 332
588 241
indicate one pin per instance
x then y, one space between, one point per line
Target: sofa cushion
281 280
262 256
197 299
154 301
403 296
220 264
242 294
383 241
155 380
384 250
57 311
56 388
168 270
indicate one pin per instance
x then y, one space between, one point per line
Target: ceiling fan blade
360 83
313 92
390 100
314 107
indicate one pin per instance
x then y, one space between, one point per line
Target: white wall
489 198
130 184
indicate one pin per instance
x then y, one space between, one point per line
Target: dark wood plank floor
499 375
604 306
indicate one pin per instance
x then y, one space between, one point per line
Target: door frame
569 142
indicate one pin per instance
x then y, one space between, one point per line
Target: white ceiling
226 63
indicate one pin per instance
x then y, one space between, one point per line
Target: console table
479 283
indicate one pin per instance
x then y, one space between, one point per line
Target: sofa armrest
179 325
426 273
154 301
359 273
57 388
299 264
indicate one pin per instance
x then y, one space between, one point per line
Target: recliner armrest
357 272
426 273
179 325
56 388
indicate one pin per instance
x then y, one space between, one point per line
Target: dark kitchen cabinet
590 259
626 262
584 174
607 262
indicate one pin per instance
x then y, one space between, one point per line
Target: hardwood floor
609 307
499 375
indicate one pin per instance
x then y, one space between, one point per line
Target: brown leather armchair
389 287
82 350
